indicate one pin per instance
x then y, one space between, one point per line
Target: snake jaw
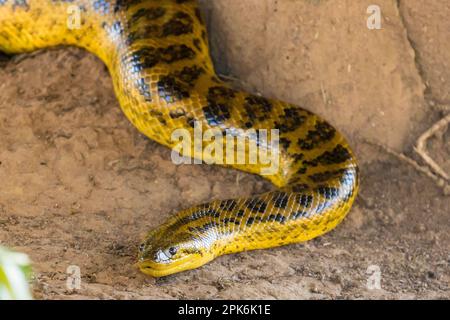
164 268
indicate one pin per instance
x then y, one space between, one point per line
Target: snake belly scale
158 57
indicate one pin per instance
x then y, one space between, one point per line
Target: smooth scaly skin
158 57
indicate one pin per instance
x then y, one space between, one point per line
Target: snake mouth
157 269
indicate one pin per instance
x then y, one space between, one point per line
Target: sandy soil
80 186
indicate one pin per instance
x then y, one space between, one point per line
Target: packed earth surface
80 186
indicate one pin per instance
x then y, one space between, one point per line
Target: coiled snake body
157 54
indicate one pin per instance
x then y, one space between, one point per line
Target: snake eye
141 247
172 251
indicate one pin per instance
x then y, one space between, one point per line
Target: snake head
166 251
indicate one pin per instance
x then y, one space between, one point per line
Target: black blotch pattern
256 205
291 120
189 74
118 5
298 178
323 132
285 143
201 213
177 113
148 13
249 124
276 217
145 32
326 176
228 220
299 214
216 114
228 205
151 56
298 157
305 200
328 192
258 108
280 218
171 90
336 156
280 200
180 24
190 120
159 116
220 94
197 44
204 228
218 109
199 16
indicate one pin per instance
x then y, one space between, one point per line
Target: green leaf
15 272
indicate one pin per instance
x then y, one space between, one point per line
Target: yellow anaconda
158 56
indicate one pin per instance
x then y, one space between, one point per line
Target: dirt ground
80 186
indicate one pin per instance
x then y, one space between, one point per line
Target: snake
158 55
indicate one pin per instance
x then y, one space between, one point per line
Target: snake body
158 57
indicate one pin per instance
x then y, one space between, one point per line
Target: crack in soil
413 46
